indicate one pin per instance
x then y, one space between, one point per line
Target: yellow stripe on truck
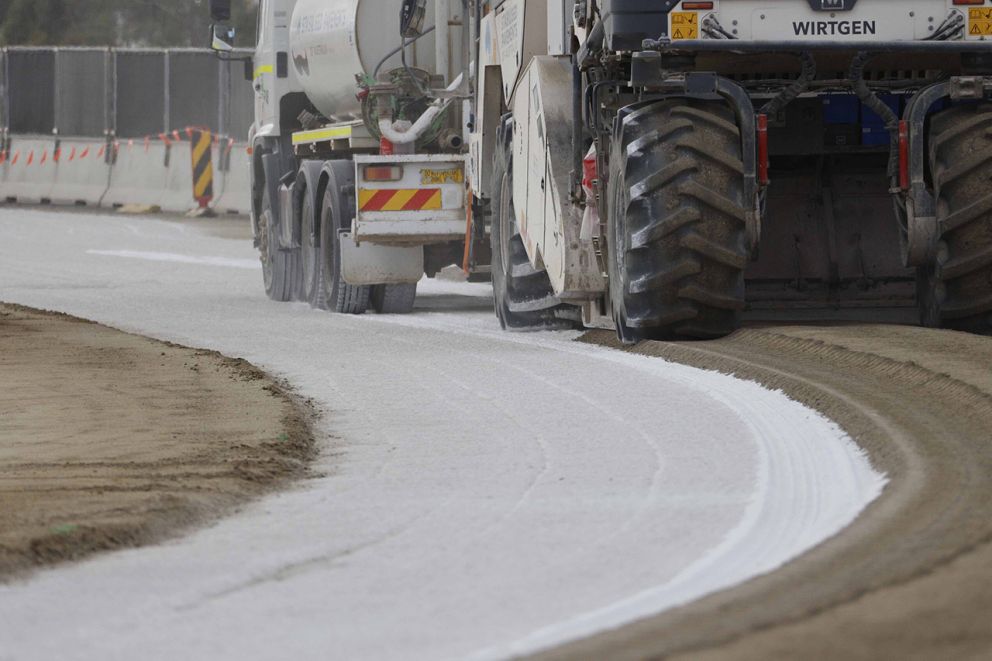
319 135
268 68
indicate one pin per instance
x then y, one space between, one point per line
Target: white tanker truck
358 170
609 162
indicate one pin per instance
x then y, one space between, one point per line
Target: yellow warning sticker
685 25
428 177
980 22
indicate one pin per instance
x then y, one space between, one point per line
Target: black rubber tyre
676 228
523 295
335 294
280 268
929 291
394 299
310 279
958 294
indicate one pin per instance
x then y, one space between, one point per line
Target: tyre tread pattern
394 299
338 295
283 266
677 205
960 159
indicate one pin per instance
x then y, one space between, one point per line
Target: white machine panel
549 223
869 20
559 22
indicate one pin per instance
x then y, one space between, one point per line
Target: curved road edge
909 578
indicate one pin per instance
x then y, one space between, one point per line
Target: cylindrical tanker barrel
332 41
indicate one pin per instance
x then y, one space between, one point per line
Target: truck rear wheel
310 288
280 268
336 294
394 299
958 292
676 228
523 295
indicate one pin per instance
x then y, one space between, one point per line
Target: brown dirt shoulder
111 440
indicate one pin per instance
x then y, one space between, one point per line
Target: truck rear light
590 174
969 2
383 172
904 155
697 5
763 179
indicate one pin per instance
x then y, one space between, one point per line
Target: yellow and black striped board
203 166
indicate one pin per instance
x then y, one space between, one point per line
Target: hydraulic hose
398 49
422 123
789 94
879 107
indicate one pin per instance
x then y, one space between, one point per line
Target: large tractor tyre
335 294
523 295
310 249
676 228
394 299
957 292
280 268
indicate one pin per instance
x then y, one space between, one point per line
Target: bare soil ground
912 577
110 440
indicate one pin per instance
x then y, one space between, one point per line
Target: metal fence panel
31 90
139 93
85 92
238 95
81 92
4 97
194 89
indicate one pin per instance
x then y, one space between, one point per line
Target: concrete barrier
177 187
82 173
235 184
138 175
27 175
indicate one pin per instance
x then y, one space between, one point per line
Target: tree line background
134 23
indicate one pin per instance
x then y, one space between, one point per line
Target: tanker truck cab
273 79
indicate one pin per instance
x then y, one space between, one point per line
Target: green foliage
153 23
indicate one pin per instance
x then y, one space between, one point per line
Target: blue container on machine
841 109
873 131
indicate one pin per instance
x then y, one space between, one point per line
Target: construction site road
487 495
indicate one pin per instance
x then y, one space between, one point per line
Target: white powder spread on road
482 494
248 264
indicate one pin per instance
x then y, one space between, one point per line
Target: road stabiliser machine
661 167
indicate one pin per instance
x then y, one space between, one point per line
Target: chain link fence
122 93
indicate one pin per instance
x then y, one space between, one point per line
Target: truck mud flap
370 264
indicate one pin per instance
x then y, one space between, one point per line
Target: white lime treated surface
481 494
